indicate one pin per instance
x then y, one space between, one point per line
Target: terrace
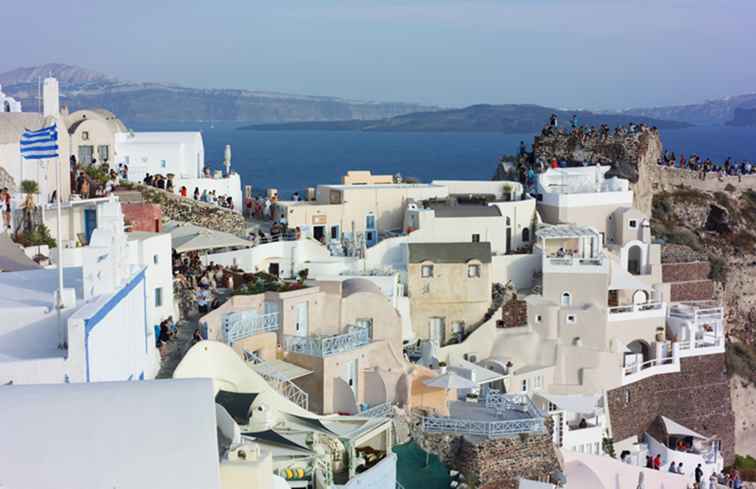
496 415
697 326
240 325
326 346
571 249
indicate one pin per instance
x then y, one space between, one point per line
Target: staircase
279 383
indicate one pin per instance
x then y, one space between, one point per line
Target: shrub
684 237
39 236
98 173
718 269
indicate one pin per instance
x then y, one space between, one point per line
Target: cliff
632 156
743 117
719 111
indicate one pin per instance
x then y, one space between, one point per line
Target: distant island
510 119
743 118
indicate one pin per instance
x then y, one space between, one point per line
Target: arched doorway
637 352
640 297
634 257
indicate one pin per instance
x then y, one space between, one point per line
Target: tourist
169 184
6 207
523 148
203 300
196 336
147 179
713 480
673 468
657 462
229 202
698 474
680 468
574 122
554 121
183 191
205 196
267 209
649 462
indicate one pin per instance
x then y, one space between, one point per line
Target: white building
179 153
8 103
102 333
152 251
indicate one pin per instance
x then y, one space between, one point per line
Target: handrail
325 346
383 410
240 325
489 429
648 306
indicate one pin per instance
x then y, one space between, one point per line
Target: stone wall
694 290
697 397
496 463
514 313
682 272
175 207
142 216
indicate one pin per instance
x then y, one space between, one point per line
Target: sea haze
293 160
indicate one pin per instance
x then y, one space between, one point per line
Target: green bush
39 236
718 269
98 173
29 187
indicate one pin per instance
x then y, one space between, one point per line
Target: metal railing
654 362
488 429
570 260
502 403
383 410
240 325
325 346
649 306
281 384
704 342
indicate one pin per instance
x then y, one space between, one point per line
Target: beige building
359 210
449 287
92 134
340 342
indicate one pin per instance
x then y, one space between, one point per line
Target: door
318 232
350 375
90 223
437 331
86 153
274 269
509 240
302 326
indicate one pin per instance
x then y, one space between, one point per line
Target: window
571 319
103 151
538 319
553 407
538 382
473 271
525 235
632 223
524 385
334 232
366 323
155 259
85 136
476 238
370 222
163 164
566 299
426 271
159 297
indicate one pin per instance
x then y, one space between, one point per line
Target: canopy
13 258
676 429
583 404
188 237
482 374
450 380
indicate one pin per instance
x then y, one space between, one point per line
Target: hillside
476 118
743 118
711 112
147 102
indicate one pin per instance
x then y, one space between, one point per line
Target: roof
465 210
482 374
189 237
110 434
13 258
13 124
354 285
449 252
286 370
576 403
140 235
565 231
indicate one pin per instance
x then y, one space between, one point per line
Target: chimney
50 98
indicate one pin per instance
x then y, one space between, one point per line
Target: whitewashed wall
517 268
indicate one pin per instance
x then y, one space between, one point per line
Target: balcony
637 311
240 325
326 346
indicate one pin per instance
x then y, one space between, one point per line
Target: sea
294 160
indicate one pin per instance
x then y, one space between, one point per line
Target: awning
676 429
237 404
482 374
583 404
271 436
450 380
623 280
279 369
188 237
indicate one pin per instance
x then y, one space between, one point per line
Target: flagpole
59 239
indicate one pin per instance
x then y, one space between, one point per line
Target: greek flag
40 144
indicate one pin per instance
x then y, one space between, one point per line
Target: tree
30 188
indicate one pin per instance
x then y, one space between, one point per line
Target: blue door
90 223
371 234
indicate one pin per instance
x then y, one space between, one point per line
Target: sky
593 54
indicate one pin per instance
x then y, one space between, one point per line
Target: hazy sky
565 53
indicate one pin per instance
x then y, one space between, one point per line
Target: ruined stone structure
697 397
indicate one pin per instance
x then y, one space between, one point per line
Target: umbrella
450 380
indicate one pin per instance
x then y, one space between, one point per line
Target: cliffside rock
718 220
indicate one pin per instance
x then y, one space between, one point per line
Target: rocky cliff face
632 156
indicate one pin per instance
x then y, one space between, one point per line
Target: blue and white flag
40 144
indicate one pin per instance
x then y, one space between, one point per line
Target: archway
634 257
640 297
636 352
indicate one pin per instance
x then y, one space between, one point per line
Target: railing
655 362
502 403
649 306
383 410
282 385
570 260
489 429
240 325
325 346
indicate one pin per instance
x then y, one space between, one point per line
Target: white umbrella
188 237
450 380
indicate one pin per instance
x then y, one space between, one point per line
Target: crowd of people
207 196
730 479
592 135
706 166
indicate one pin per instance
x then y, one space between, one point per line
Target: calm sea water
294 160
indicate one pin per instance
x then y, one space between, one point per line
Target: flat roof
123 435
445 210
341 186
449 252
565 231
